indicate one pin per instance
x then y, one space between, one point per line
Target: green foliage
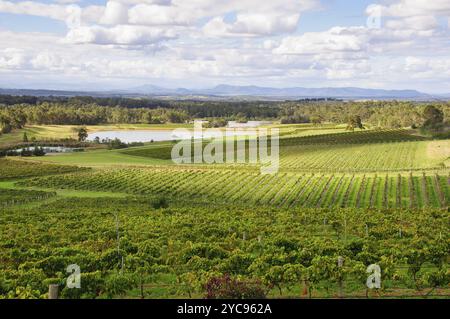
216 123
283 249
92 285
118 284
439 278
434 124
81 133
359 137
160 202
305 190
354 122
38 151
226 287
230 231
10 197
12 169
295 119
21 292
91 111
433 116
415 258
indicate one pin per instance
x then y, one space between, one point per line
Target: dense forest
15 112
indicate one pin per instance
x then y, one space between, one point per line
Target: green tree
433 117
316 120
81 133
5 125
354 122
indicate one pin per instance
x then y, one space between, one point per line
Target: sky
103 45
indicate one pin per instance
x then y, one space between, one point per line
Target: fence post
340 264
53 291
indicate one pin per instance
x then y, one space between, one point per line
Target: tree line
93 111
383 114
17 116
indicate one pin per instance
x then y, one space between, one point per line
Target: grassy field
102 158
370 196
361 152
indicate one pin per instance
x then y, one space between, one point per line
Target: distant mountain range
249 92
294 92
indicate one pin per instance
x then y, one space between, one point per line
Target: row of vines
281 190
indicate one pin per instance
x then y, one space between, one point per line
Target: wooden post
340 265
53 291
345 227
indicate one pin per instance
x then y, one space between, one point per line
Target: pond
142 136
51 149
249 124
133 136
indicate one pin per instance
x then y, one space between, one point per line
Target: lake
130 136
249 124
141 136
51 149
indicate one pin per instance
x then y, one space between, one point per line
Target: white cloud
67 1
144 14
212 8
253 24
12 58
421 67
134 2
236 41
121 34
252 17
408 8
334 40
53 11
270 44
49 61
63 11
115 13
414 23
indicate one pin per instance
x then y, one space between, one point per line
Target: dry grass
439 150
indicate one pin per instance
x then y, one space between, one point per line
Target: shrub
225 287
119 284
160 202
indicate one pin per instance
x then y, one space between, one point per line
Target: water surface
142 136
